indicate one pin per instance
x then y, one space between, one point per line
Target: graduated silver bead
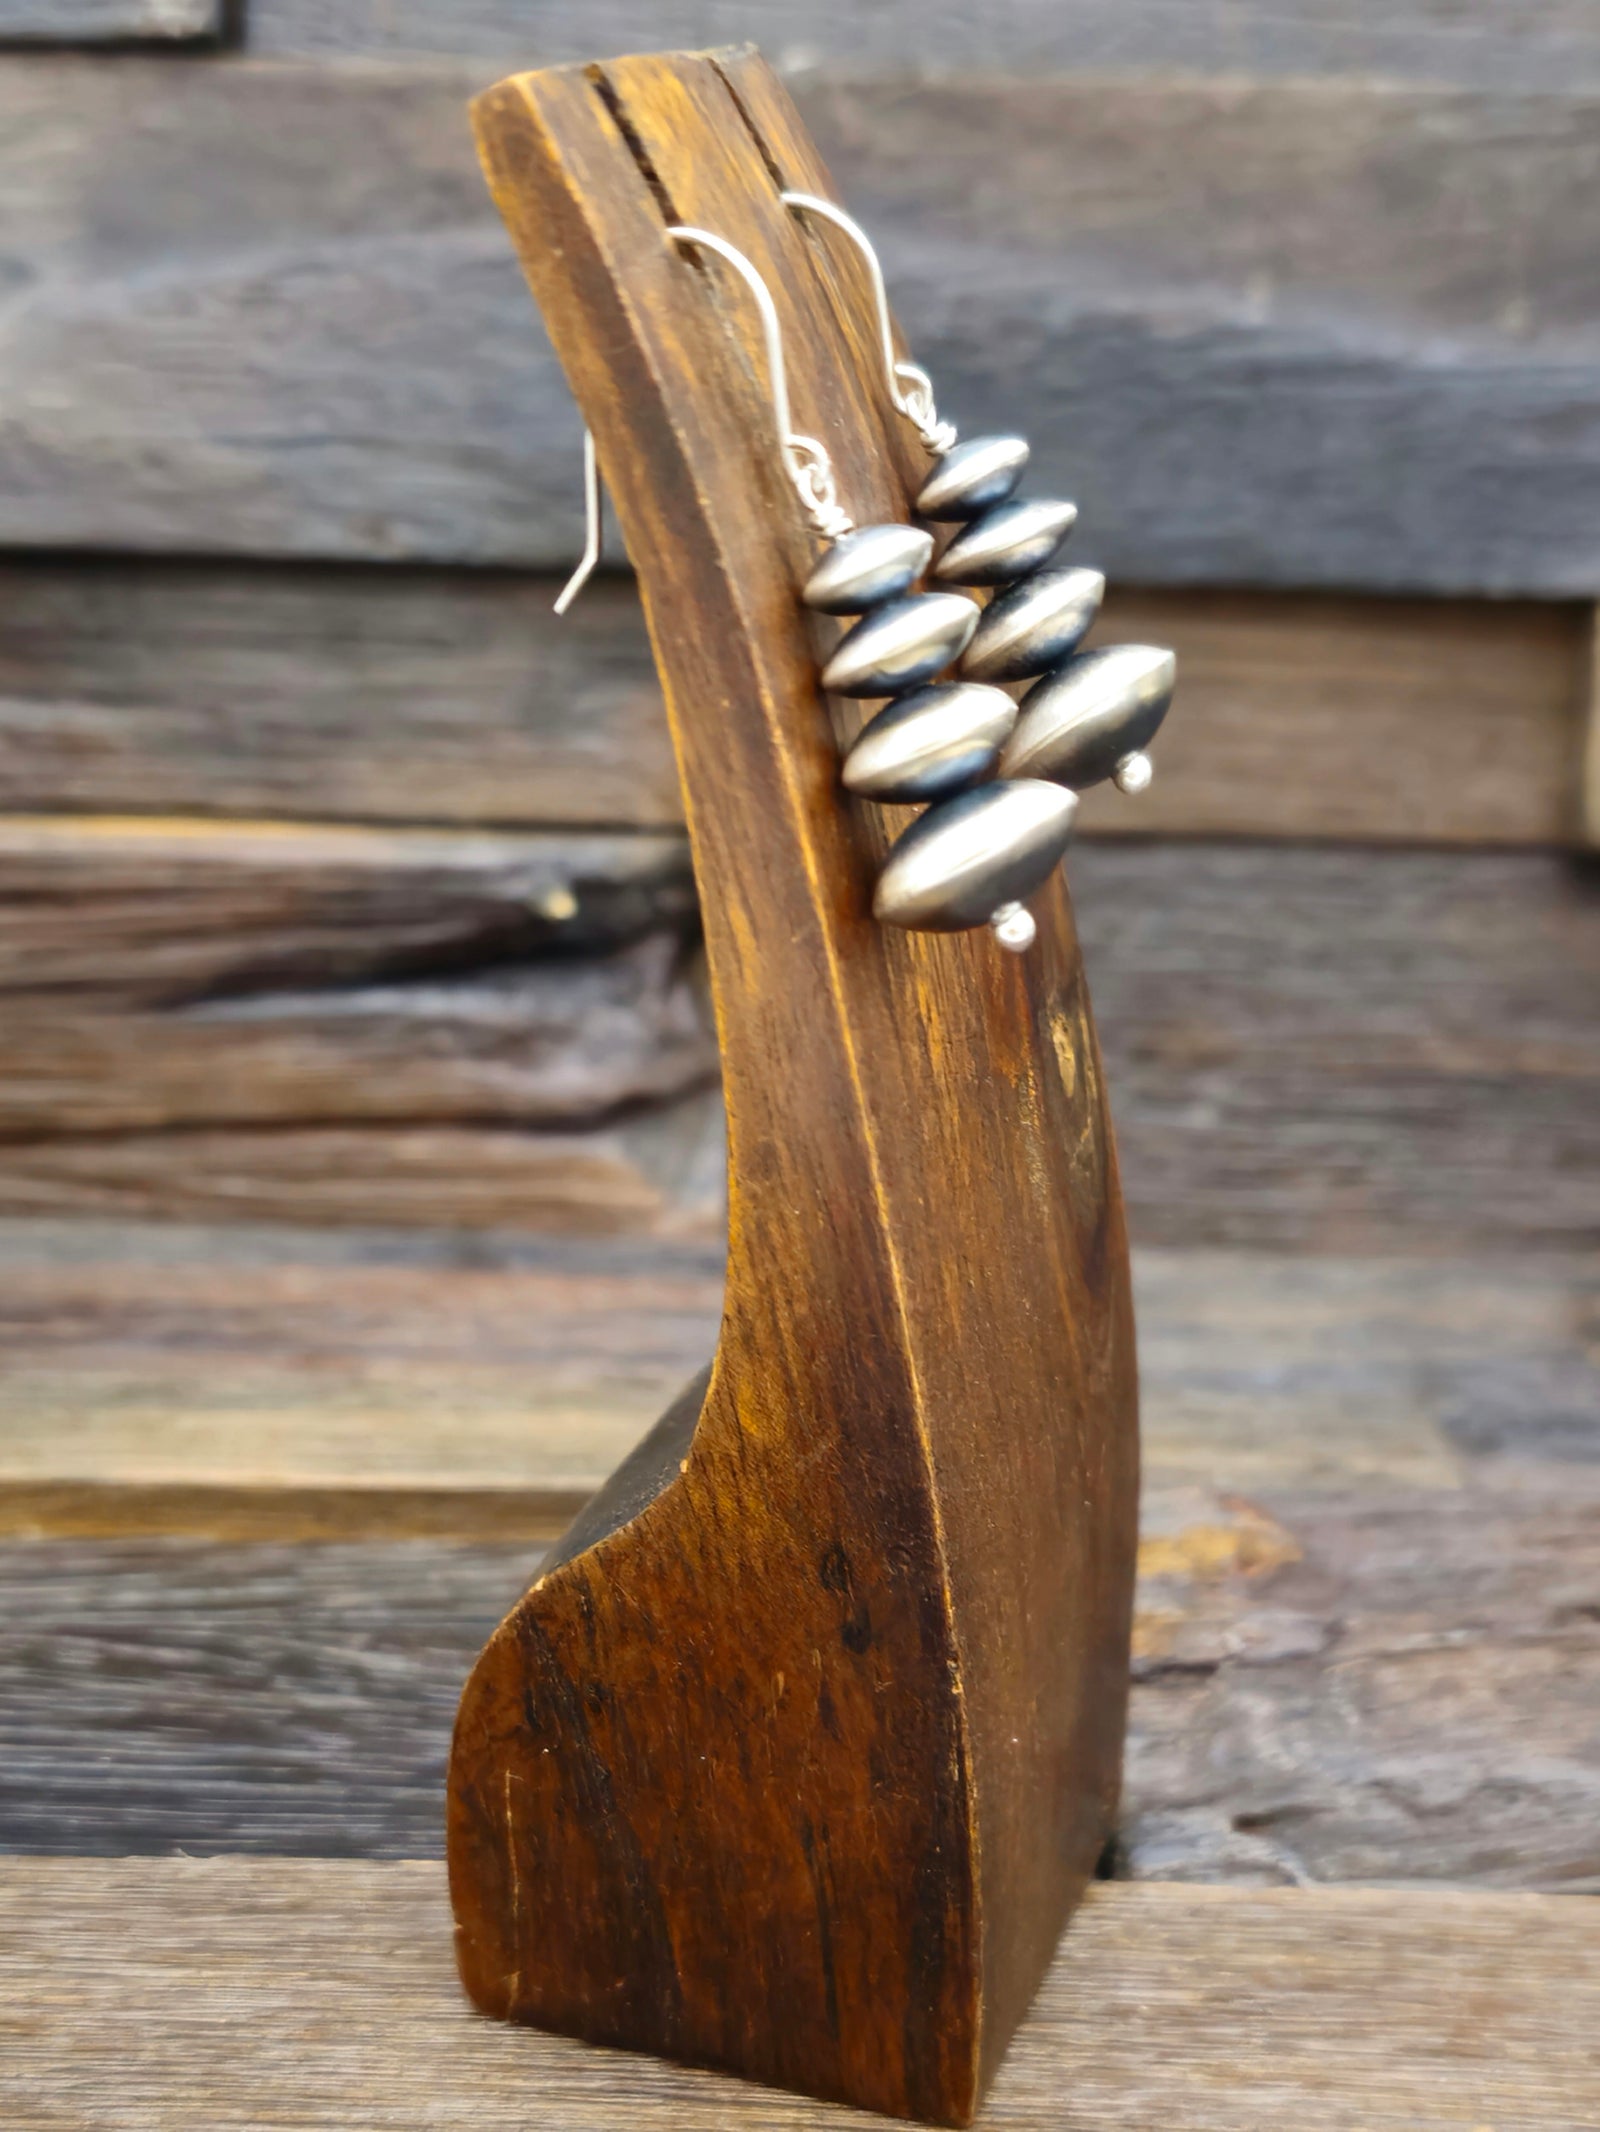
901 644
1026 630
1008 541
864 568
1081 723
972 476
968 857
930 742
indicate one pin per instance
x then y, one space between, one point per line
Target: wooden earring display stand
800 1751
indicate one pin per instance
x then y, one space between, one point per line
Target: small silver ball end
1133 774
1014 928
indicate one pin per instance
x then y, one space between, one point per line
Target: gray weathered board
176 1995
284 1482
1492 44
426 695
280 1383
1392 1684
110 21
1291 332
1319 1047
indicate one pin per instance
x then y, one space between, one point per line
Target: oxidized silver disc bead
864 568
1009 541
901 644
1079 724
972 476
931 742
1025 631
965 859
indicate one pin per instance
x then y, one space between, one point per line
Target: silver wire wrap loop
805 461
910 387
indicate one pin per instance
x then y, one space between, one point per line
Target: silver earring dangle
979 849
1089 715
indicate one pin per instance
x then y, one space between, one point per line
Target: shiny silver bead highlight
1008 541
972 476
931 742
965 859
905 642
1133 774
1026 630
864 568
1081 723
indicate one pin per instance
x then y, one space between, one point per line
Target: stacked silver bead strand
980 847
1092 714
952 869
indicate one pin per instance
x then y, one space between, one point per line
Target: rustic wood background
360 1157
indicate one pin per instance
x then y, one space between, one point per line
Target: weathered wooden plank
274 1383
1381 1683
431 696
1551 44
1380 719
1342 1050
140 911
59 22
1589 766
254 1382
1396 1686
1366 1642
554 1043
1274 372
392 694
649 1170
269 974
1203 2010
1315 1048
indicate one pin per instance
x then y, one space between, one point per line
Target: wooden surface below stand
172 1996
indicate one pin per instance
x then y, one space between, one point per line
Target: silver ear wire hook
805 461
593 516
910 387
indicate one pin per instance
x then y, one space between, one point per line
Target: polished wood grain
897 1546
1201 2010
406 695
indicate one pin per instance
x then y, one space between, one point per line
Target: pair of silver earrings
1000 778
